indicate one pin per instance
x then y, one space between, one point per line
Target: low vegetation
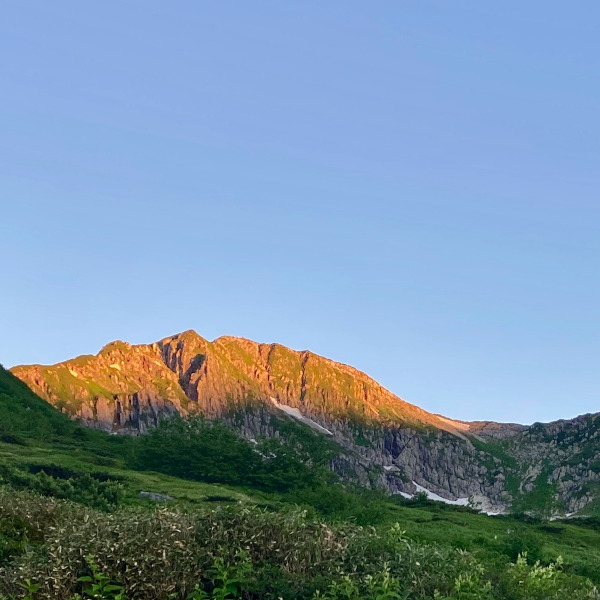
70 551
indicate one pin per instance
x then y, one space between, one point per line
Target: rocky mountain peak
115 346
384 440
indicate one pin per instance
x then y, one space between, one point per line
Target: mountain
548 469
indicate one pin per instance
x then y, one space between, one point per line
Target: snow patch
483 505
296 414
479 503
73 373
388 467
433 496
115 366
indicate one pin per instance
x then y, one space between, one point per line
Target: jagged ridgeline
385 442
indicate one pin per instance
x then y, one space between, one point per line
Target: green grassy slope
25 415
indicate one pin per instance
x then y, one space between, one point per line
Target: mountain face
550 469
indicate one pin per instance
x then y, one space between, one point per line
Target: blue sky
407 187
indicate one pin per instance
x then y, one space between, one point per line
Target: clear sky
410 187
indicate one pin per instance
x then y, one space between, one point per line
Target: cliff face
121 388
386 442
185 372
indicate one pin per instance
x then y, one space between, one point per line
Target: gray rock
156 497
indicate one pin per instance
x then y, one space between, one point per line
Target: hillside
417 549
385 442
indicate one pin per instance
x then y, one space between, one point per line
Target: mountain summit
126 386
384 441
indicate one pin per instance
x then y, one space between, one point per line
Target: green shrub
537 582
154 554
98 586
521 542
208 451
13 538
92 489
240 552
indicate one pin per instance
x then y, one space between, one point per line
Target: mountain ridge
179 351
385 441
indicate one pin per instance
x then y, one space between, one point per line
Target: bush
208 451
92 489
537 582
521 542
157 553
239 552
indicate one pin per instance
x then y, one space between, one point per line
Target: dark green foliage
99 586
311 447
218 498
589 523
23 415
294 468
420 499
92 489
14 533
26 419
209 451
522 541
10 438
202 450
195 449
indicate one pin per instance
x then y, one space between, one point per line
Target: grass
183 490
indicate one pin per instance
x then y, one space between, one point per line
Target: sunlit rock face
385 441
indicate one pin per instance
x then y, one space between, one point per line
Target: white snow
296 414
388 467
433 496
479 503
73 373
115 366
483 505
